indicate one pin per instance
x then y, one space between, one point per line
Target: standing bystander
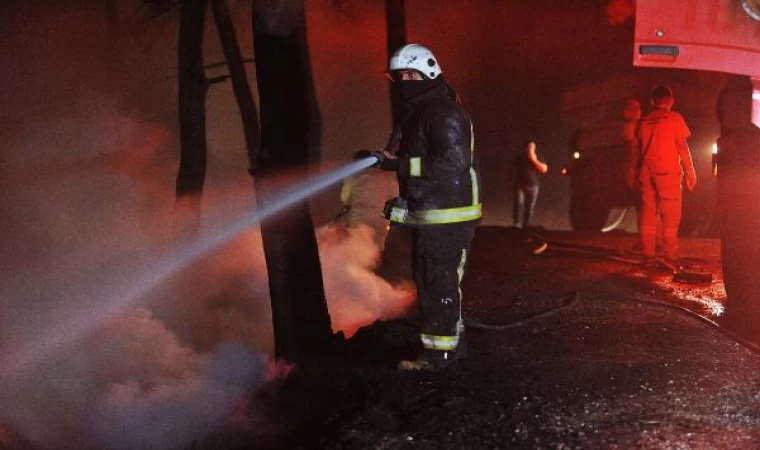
527 168
660 159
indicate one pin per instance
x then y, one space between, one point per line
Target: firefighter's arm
389 163
688 164
392 147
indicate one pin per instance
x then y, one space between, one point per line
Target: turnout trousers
439 260
660 192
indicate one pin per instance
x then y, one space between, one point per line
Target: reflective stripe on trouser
436 216
660 193
440 258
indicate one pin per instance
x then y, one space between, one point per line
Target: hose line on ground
750 345
574 297
571 299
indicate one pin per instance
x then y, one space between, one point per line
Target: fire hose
573 298
684 274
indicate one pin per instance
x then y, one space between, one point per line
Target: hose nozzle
364 154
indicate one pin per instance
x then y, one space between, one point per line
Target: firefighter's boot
434 359
430 360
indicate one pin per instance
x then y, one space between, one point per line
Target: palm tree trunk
289 128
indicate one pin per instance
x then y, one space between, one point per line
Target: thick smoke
98 348
356 295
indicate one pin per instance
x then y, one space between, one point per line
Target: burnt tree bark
289 131
193 87
240 86
398 239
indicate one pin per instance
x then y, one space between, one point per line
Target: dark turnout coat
436 166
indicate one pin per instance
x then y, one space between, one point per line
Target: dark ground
565 351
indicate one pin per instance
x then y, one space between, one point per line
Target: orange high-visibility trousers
660 193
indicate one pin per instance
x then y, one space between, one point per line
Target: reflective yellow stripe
473 174
462 262
415 166
436 216
472 142
460 274
433 342
475 189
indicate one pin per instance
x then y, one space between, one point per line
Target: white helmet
415 57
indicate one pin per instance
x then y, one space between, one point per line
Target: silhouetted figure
527 166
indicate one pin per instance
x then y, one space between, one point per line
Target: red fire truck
721 36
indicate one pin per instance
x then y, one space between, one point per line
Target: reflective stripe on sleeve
472 142
475 187
415 166
473 174
433 342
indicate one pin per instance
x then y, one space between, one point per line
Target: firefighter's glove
396 210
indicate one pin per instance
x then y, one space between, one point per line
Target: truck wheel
740 238
588 213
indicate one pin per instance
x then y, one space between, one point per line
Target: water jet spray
21 358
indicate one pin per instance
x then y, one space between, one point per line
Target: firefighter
661 157
439 198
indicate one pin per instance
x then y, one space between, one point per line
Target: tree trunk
112 14
240 86
289 128
193 86
395 25
398 241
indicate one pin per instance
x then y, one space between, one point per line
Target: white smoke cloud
131 384
356 295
